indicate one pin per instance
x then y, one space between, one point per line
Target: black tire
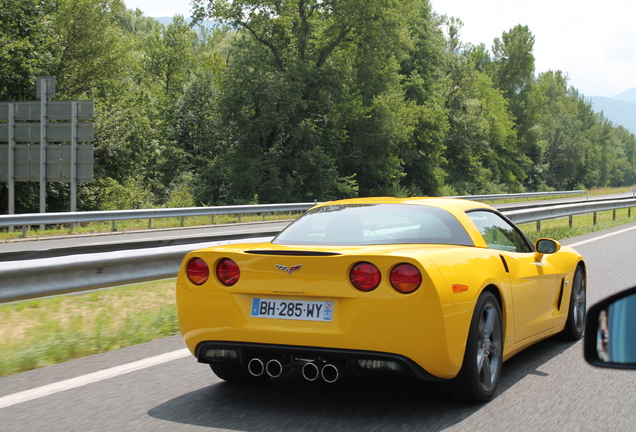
575 324
236 374
478 379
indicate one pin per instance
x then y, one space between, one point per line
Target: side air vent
291 253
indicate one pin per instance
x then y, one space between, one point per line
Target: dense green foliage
302 100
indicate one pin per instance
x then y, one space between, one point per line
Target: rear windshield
375 224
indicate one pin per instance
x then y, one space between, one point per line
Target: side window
498 233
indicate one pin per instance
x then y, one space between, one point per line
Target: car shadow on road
355 404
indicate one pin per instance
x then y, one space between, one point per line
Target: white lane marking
39 392
601 237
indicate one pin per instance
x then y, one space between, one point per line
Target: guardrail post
629 212
24 230
594 220
212 219
149 223
538 226
614 214
264 214
570 221
182 218
239 215
113 227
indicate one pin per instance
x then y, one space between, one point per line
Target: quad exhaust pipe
329 372
277 367
311 371
332 372
273 367
256 367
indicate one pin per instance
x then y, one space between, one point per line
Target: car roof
445 203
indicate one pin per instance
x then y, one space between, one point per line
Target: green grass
140 224
40 332
559 229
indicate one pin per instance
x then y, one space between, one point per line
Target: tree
503 159
169 54
309 98
512 71
421 72
89 50
24 40
566 126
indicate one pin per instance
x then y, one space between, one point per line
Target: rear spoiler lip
291 253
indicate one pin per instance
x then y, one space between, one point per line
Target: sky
593 42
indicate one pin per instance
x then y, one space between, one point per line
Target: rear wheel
575 323
478 379
236 373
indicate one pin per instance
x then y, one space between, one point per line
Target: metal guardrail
118 215
527 195
42 277
28 219
33 278
538 214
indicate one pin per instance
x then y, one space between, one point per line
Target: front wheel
478 379
575 323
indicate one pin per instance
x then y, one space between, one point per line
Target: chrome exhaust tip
311 371
331 372
256 367
276 368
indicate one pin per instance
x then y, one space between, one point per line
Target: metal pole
74 156
43 88
73 159
11 161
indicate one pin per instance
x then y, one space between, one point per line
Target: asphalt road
158 237
547 387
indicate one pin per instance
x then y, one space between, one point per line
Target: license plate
303 310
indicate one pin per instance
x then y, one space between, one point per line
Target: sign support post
11 162
46 86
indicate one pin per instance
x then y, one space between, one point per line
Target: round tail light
405 278
365 276
198 271
228 272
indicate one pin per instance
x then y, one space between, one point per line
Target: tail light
228 272
405 278
365 276
198 271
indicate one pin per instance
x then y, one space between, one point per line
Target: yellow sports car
432 288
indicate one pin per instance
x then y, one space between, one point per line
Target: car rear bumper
351 362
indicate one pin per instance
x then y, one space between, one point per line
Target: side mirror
610 332
547 246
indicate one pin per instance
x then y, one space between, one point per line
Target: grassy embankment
36 333
95 228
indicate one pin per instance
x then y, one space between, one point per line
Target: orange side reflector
459 288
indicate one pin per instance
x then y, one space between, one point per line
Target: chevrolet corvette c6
431 288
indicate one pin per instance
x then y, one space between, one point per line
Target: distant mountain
168 20
620 110
165 20
627 96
